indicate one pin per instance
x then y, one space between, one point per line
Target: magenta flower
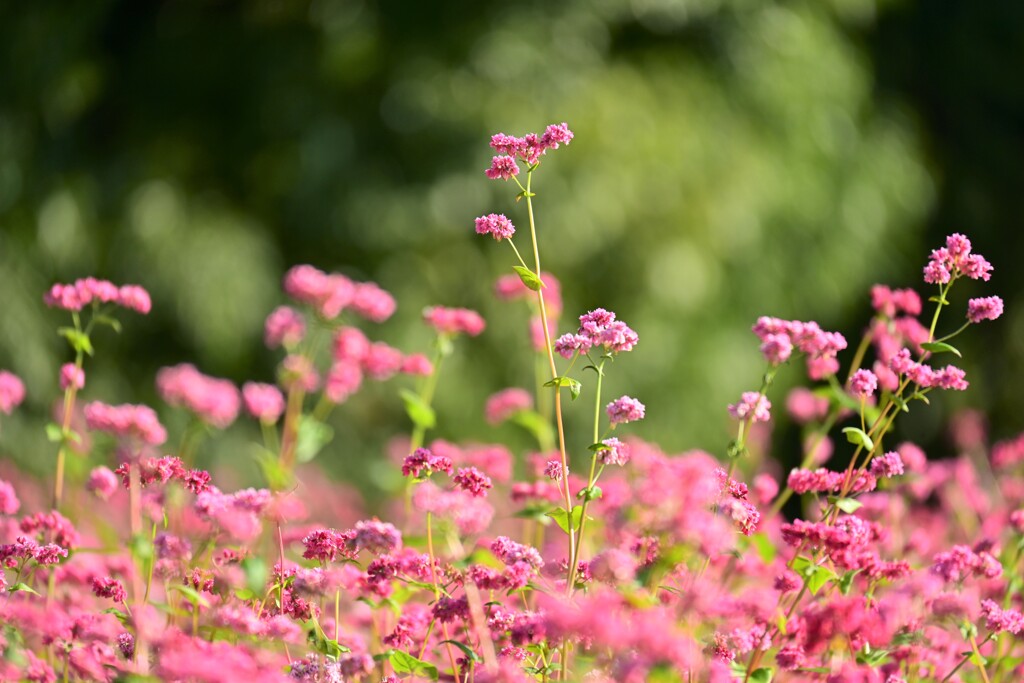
503 167
506 403
863 383
12 392
498 226
109 587
625 409
777 348
343 379
472 481
753 406
9 503
284 327
887 466
553 470
102 483
81 293
373 302
126 421
556 134
424 461
956 260
987 308
263 401
614 453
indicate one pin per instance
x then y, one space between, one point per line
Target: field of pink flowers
619 563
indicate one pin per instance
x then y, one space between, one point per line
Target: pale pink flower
506 403
263 401
12 392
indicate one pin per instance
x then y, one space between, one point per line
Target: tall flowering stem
588 493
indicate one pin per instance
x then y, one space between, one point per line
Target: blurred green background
733 158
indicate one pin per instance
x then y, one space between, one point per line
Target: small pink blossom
863 383
102 483
777 348
12 392
343 379
472 481
497 225
553 470
215 401
418 365
753 406
126 421
263 401
615 452
71 376
452 321
372 302
503 167
987 308
625 409
9 503
284 327
507 403
887 466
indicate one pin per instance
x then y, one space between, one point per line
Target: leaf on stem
859 437
561 518
419 412
573 385
313 435
404 663
941 347
529 278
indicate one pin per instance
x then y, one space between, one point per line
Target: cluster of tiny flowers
126 421
985 308
890 302
528 148
331 293
472 481
780 337
614 452
81 293
265 402
962 562
214 401
949 377
553 470
863 383
423 462
453 321
506 404
497 225
71 377
284 327
598 328
821 480
956 260
12 392
625 409
753 406
355 355
888 465
999 620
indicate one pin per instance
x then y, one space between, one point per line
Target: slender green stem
593 470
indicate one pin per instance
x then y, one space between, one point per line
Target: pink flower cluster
986 308
506 404
214 401
529 148
163 470
890 302
956 260
355 355
265 402
453 321
960 563
331 293
423 461
863 383
284 327
81 293
752 405
949 377
826 481
780 337
497 225
71 377
598 328
12 392
126 421
625 409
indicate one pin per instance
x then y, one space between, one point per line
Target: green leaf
22 588
191 594
573 385
79 340
421 414
762 675
278 478
941 347
817 577
939 300
535 512
107 320
141 547
466 650
846 582
766 550
256 573
859 437
121 616
590 493
801 564
529 278
847 505
534 423
322 644
560 517
312 437
404 663
54 433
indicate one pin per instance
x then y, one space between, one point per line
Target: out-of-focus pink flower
81 293
506 403
498 226
126 421
9 503
625 409
372 302
452 321
214 401
284 327
102 482
987 308
343 380
753 406
263 401
12 392
71 376
418 365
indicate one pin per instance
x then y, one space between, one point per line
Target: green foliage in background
732 159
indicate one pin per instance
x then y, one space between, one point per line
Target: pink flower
298 372
472 481
804 405
503 167
956 260
863 383
102 482
418 365
752 405
12 392
372 302
553 470
556 134
75 296
215 401
506 403
284 327
350 344
987 308
452 321
382 361
423 460
498 226
614 452
887 466
263 401
343 380
569 344
507 144
998 620
599 328
71 376
9 503
777 348
109 587
625 409
126 421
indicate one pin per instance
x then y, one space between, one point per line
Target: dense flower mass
82 293
550 561
497 225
